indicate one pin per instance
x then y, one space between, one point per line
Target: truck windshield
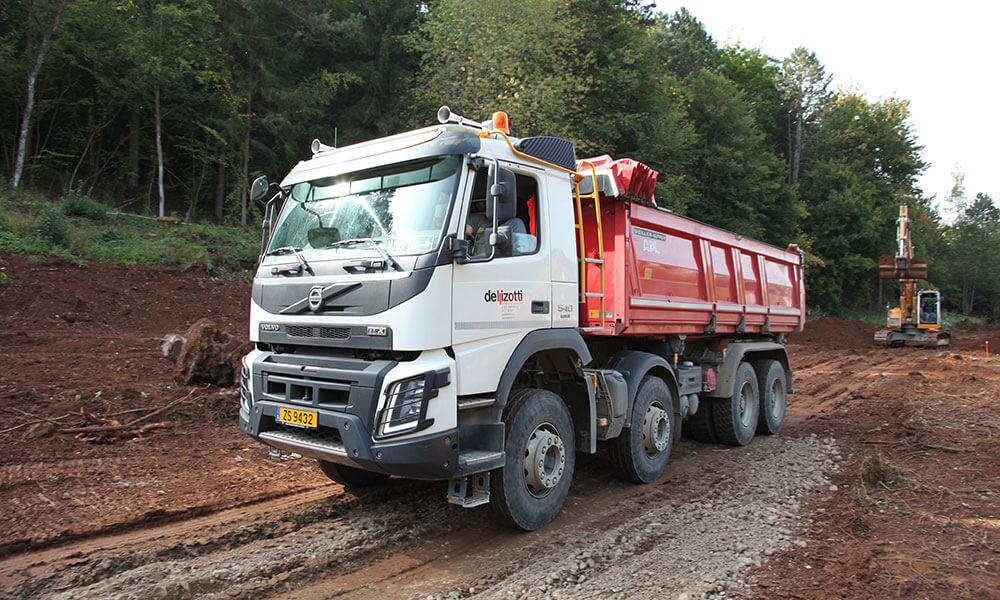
401 208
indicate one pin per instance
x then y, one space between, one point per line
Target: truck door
496 303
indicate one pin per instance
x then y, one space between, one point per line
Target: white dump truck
458 304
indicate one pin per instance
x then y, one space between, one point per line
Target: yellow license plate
297 418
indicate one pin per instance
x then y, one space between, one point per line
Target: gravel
737 513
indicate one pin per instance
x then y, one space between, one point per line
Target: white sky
942 56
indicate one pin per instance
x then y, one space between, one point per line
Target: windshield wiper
354 241
298 256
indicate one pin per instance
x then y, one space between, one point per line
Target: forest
169 107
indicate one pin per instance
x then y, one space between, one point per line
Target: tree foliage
753 143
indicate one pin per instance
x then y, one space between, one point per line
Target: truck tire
350 477
699 426
735 418
773 396
641 452
529 491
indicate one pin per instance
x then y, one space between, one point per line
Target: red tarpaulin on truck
631 176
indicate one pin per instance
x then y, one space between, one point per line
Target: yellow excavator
917 319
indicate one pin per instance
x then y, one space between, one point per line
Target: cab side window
523 224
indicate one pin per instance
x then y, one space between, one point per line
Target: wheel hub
544 460
777 400
655 429
746 392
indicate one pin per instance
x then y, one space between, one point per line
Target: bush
10 242
110 236
78 204
51 226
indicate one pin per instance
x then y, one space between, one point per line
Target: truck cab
398 277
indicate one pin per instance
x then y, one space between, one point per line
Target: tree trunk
159 148
132 176
220 192
22 142
969 298
790 147
245 167
797 150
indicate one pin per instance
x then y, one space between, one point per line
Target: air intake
550 149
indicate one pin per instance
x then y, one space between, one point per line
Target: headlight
406 401
403 407
246 398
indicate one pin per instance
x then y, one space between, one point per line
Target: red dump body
666 274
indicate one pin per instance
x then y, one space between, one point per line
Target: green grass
80 229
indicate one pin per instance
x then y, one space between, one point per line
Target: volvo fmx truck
455 303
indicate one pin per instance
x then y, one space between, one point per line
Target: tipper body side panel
665 274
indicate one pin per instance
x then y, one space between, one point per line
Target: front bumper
344 393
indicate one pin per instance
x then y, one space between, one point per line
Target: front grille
306 391
329 333
334 333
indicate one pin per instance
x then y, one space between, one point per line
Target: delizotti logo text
502 296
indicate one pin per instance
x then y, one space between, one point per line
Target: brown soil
834 333
84 340
916 512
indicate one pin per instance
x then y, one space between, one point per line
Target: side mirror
503 192
258 190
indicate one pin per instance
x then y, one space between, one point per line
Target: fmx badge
504 297
379 331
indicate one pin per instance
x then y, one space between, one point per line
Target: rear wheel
735 418
698 426
529 491
773 396
350 477
641 452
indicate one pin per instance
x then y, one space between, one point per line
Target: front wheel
529 491
641 452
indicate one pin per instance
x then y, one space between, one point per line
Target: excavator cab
929 314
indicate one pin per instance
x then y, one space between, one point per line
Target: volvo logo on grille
316 298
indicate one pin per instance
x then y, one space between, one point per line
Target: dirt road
883 483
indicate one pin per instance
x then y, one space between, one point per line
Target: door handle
539 307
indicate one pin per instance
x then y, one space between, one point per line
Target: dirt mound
975 339
835 333
972 326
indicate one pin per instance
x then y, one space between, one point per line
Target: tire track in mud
403 540
714 514
234 552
